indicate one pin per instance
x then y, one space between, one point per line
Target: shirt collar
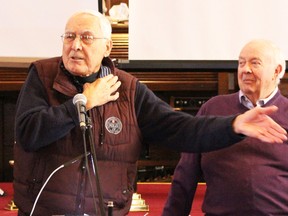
80 81
261 102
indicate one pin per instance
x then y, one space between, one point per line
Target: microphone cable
58 168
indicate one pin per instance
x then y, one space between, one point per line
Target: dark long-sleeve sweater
249 178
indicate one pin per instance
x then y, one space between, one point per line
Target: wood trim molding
13 72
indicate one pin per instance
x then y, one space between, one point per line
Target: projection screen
31 28
203 29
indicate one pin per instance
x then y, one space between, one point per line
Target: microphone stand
94 164
83 129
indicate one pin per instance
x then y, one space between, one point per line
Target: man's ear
278 70
109 45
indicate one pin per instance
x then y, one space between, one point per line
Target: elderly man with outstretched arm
123 113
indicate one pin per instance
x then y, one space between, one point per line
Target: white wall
203 29
32 28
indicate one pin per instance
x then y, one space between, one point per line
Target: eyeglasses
85 38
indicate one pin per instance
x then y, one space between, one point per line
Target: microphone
80 100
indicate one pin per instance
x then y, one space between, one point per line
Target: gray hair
104 22
275 53
280 60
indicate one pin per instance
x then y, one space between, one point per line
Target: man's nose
247 68
77 44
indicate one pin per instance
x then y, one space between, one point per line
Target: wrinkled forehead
83 22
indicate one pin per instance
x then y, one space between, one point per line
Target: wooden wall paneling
2 172
179 81
8 104
223 83
120 46
11 79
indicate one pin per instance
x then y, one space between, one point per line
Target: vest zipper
100 112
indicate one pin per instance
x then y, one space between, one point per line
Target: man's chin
76 71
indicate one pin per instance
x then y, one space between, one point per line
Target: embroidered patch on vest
113 125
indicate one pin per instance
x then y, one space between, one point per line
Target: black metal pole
110 208
100 6
95 165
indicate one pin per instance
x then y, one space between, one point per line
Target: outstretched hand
101 91
256 123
